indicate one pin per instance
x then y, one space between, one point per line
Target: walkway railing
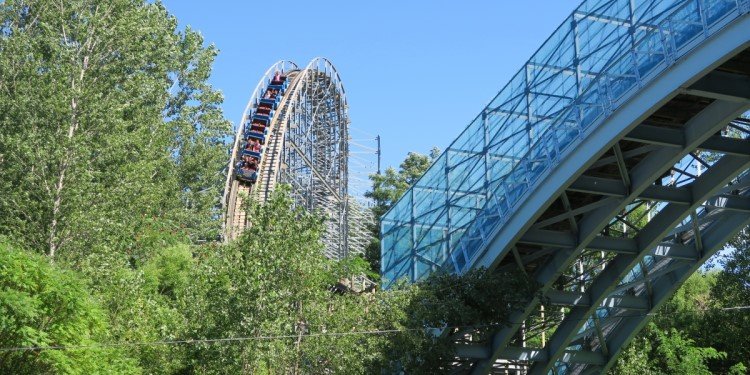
605 51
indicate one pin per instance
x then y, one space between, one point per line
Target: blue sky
415 72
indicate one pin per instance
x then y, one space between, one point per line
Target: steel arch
628 111
599 288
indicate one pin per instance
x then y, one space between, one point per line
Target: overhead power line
199 341
281 337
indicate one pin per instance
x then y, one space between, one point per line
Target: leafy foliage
42 306
108 123
445 304
273 288
730 329
692 333
273 281
387 189
111 156
667 351
390 186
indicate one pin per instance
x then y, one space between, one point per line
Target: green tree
198 141
108 124
686 310
142 305
665 351
728 327
275 282
387 189
678 355
111 155
272 291
433 311
41 306
635 359
690 334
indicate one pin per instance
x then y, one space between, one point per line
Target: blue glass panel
459 260
472 246
423 270
456 233
686 23
715 10
589 66
429 244
489 223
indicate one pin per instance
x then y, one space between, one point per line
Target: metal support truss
647 240
644 270
316 151
616 196
600 171
308 149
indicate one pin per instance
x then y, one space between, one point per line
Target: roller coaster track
306 147
270 166
609 169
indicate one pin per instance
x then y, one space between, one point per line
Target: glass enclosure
599 56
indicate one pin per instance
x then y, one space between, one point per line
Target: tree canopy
42 306
387 189
108 124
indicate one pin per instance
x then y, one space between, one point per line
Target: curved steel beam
705 57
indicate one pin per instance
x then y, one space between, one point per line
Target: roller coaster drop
294 131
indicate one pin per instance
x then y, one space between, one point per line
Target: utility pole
377 138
